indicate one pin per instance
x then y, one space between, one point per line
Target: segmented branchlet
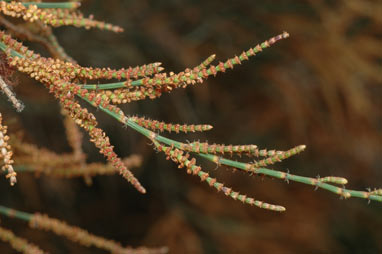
162 126
279 156
73 71
19 243
249 150
107 73
76 111
53 17
191 77
101 141
182 160
168 81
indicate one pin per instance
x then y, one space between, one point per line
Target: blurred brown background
321 87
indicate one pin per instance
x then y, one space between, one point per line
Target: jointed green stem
245 166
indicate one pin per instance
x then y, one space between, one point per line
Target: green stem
244 166
115 85
12 213
290 177
4 47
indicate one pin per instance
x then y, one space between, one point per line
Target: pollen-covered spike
6 154
278 157
99 138
333 179
101 141
177 156
162 126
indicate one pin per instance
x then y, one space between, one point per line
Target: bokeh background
321 87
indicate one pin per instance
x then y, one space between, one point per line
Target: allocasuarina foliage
69 84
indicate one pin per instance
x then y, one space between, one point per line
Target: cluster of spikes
70 83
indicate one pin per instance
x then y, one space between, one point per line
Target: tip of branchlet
208 127
76 5
285 35
334 179
139 188
118 29
276 208
158 66
273 40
